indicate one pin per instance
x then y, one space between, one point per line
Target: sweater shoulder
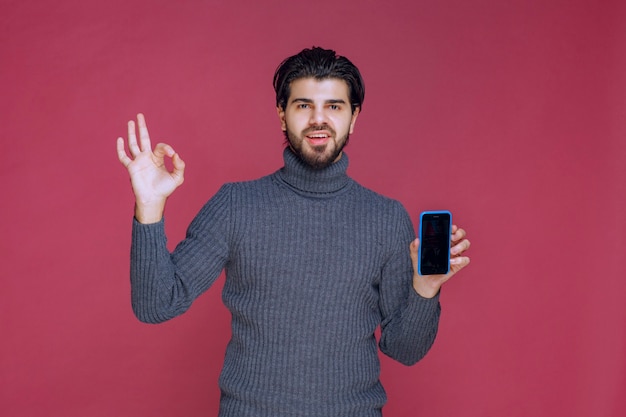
379 201
254 185
229 192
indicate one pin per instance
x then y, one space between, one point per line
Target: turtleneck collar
304 179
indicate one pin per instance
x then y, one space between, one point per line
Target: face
318 119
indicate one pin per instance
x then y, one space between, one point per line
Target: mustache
318 128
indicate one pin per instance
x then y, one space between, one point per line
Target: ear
281 116
355 114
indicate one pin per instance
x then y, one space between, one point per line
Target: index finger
144 137
457 233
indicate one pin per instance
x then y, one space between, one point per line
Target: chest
302 248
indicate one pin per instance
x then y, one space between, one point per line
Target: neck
305 179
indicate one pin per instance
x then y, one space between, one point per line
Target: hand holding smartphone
434 249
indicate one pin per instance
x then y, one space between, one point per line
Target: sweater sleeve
164 284
410 321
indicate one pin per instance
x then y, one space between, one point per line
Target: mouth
318 139
318 136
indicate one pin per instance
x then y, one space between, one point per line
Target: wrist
424 289
149 213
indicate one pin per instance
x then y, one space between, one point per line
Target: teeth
317 136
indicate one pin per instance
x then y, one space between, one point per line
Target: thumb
413 248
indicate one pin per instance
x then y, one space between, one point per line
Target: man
314 261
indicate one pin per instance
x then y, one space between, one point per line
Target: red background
510 114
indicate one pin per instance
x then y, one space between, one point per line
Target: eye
304 106
334 107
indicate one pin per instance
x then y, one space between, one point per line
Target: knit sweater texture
314 264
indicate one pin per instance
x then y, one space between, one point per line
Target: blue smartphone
434 249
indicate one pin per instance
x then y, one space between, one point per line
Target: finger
132 140
413 249
458 234
144 137
179 169
121 153
162 150
459 262
460 247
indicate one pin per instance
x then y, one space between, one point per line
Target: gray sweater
314 264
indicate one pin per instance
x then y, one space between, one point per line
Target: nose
318 116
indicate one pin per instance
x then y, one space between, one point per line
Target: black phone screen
434 254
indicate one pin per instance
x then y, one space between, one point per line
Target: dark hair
320 64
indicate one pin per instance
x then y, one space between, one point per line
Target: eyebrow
308 100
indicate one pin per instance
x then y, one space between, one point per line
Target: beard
316 157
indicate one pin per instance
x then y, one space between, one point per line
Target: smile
317 139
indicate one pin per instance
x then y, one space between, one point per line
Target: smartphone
434 249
